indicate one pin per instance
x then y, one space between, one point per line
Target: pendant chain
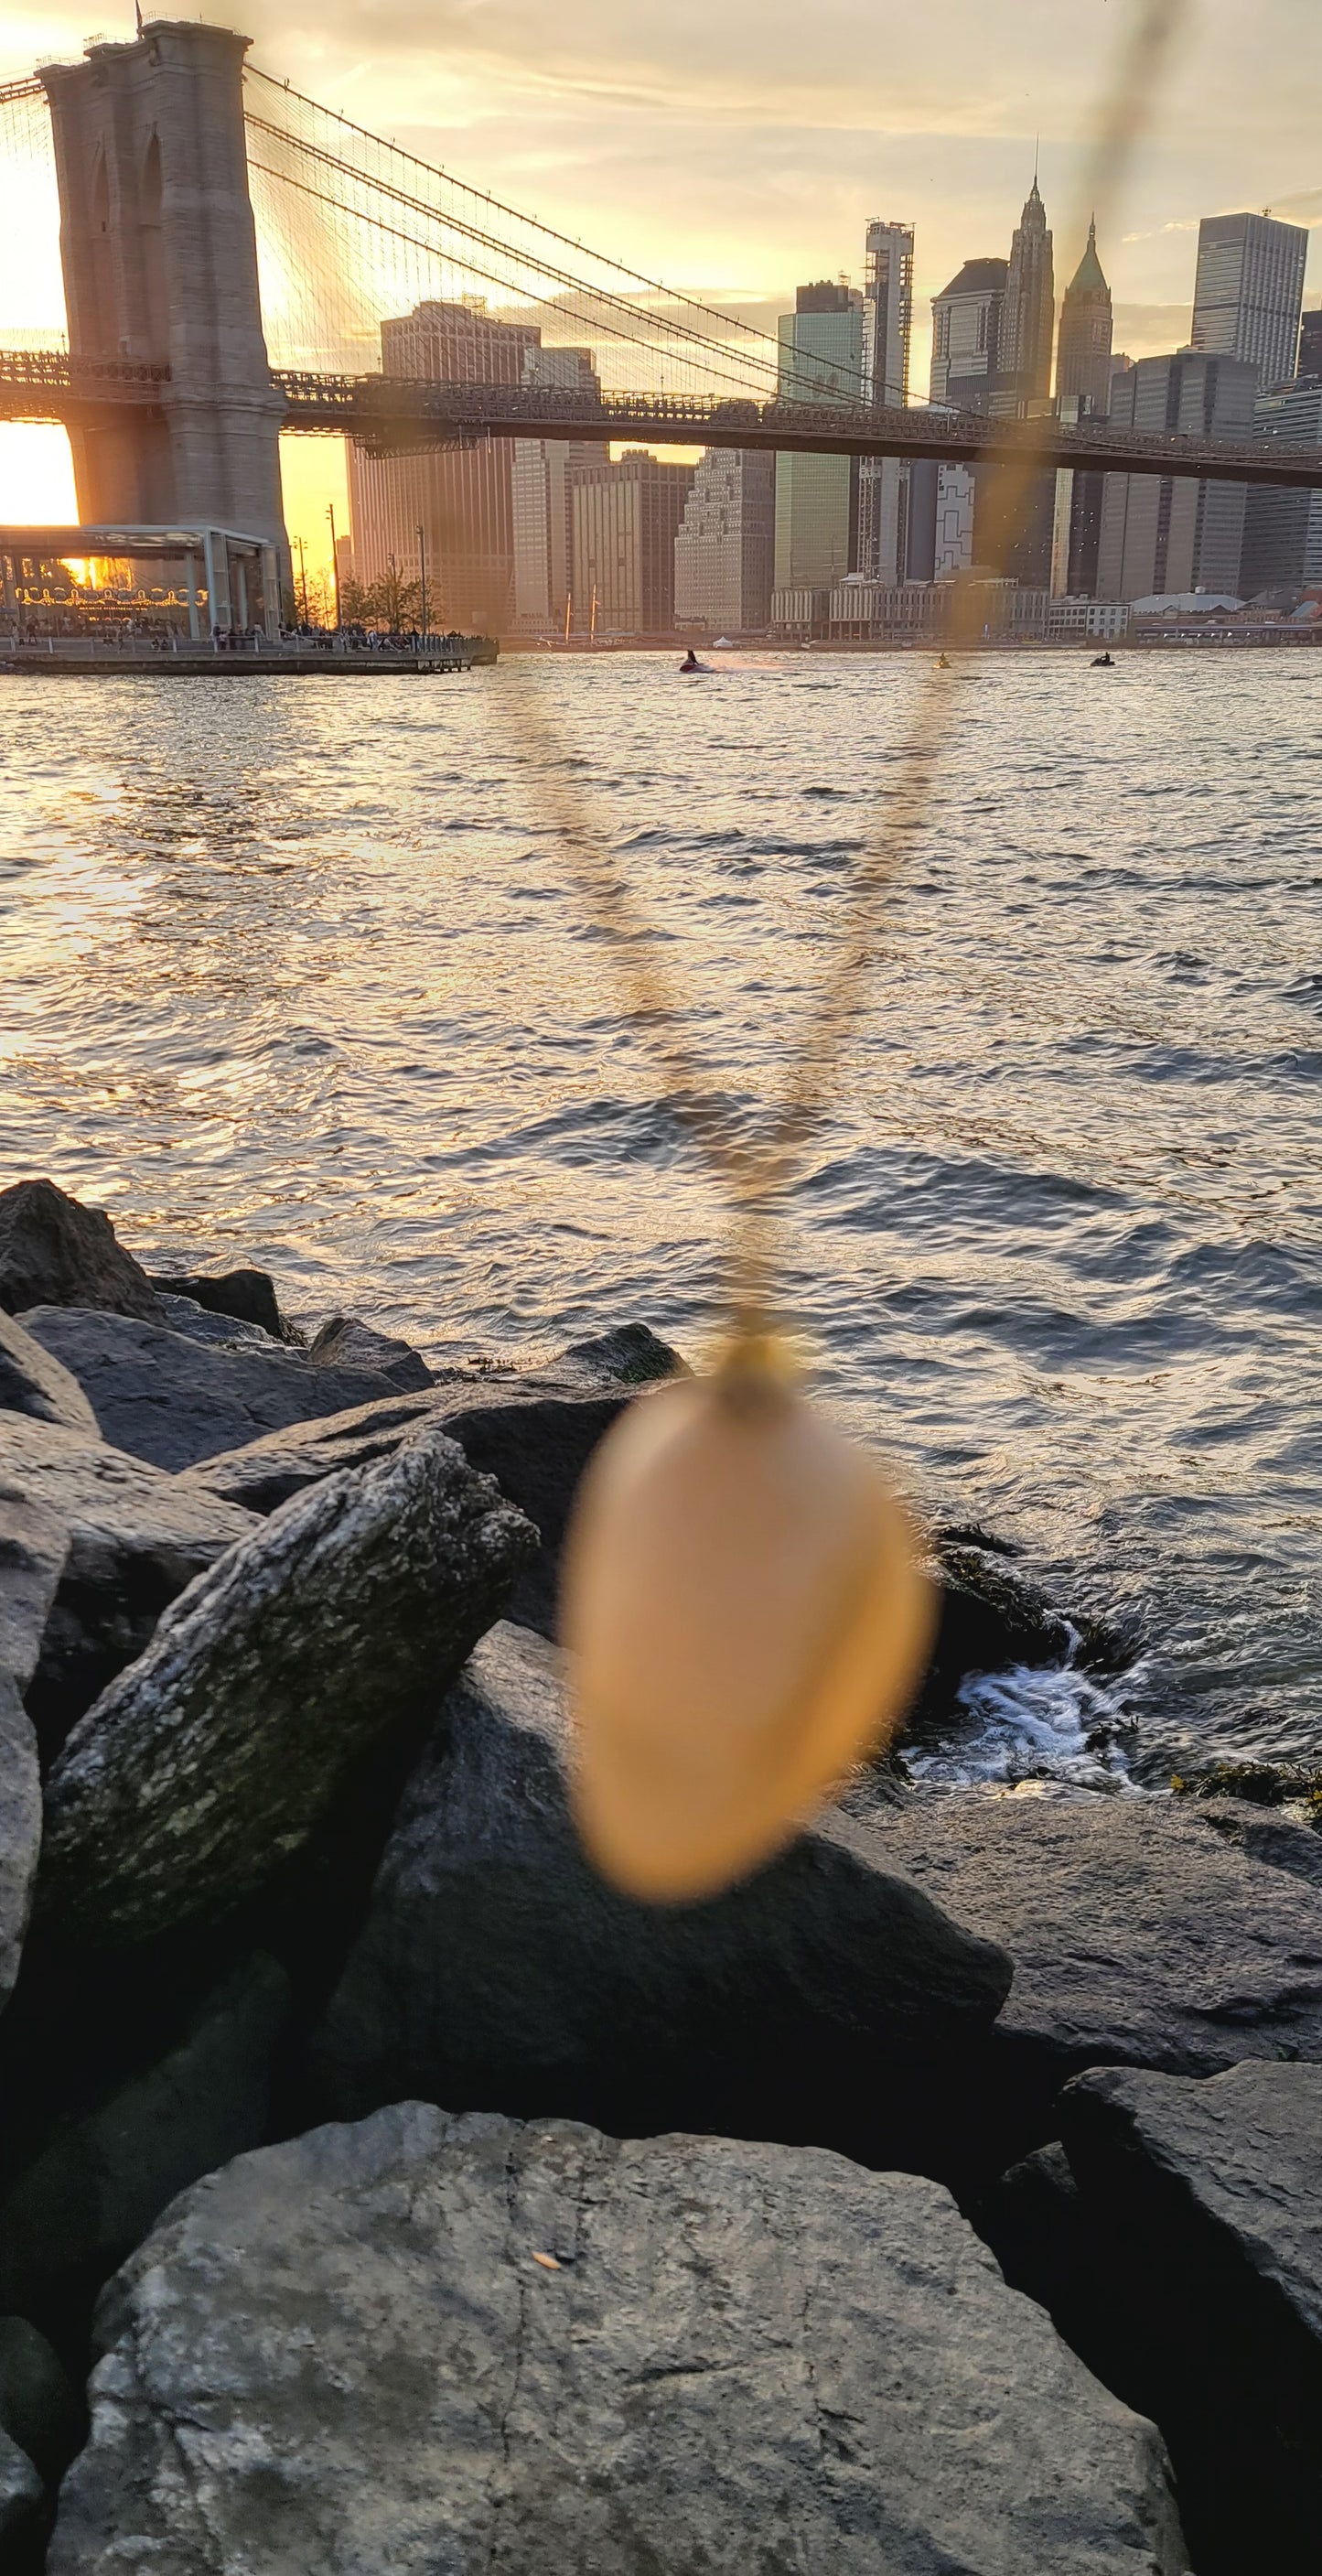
756 1176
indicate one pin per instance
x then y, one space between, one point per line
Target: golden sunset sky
736 147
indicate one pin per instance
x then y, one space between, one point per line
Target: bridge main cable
621 268
766 360
646 338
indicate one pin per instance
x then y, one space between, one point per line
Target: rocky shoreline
378 2190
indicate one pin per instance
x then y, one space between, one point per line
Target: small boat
943 662
1102 662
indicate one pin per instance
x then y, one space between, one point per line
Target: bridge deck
396 415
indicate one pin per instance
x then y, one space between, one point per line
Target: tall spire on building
1083 358
1030 300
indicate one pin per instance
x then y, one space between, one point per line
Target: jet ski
691 668
1102 662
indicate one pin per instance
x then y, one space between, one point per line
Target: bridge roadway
396 415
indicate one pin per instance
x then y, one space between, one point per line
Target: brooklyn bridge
230 249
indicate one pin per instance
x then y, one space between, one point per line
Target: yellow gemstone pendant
745 1617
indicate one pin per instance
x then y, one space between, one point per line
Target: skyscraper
462 499
887 311
1310 345
626 519
545 471
887 330
725 547
1283 529
1162 533
1083 355
821 361
1249 291
1030 301
966 336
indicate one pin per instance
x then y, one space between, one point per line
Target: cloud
739 146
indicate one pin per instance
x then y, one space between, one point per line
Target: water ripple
297 974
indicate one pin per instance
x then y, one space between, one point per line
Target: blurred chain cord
757 1172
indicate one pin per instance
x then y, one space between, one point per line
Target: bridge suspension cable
556 305
330 198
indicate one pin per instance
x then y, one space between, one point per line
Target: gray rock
90 2196
135 1538
197 1324
21 2491
34 1547
34 1550
627 1355
346 1342
267 1472
1032 2220
495 1964
20 1829
344 2354
32 1382
1209 2199
213 1757
1280 1842
245 1296
993 1618
40 2408
1138 1937
55 1252
535 1435
165 1398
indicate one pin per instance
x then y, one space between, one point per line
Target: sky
737 147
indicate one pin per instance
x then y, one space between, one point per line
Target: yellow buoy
745 1617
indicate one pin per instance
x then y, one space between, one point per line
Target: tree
391 605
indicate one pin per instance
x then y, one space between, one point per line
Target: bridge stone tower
160 266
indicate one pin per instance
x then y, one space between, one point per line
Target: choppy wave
1033 1722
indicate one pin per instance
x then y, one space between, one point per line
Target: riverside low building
874 612
1102 621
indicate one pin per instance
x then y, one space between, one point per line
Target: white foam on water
1032 1722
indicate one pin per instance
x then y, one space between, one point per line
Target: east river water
295 973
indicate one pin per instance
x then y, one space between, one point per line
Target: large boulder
267 1472
55 1252
494 1965
213 1757
1204 2206
20 1829
535 1435
244 1296
21 2499
1138 1939
465 2344
34 1550
32 1382
88 2197
135 1537
34 1547
1282 1842
198 1324
344 1341
624 1355
167 1398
